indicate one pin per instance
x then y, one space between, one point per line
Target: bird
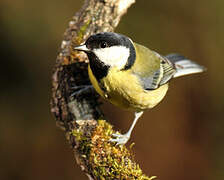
130 75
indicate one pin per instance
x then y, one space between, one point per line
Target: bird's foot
120 139
80 90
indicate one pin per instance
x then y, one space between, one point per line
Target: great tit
130 75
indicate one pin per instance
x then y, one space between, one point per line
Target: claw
120 139
117 135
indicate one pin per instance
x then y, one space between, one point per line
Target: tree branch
79 116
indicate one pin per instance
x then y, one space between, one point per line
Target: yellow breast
123 89
95 83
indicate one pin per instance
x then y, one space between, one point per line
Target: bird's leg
122 139
83 89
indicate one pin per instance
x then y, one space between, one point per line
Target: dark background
182 138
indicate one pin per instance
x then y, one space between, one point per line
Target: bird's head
110 49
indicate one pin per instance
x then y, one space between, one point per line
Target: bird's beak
82 48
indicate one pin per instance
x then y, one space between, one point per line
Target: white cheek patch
113 56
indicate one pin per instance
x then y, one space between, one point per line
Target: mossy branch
79 117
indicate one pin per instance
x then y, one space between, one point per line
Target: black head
107 39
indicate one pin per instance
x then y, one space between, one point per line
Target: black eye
103 44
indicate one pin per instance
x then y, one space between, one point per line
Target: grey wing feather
175 57
152 82
184 66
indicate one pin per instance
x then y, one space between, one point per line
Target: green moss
82 31
104 159
84 143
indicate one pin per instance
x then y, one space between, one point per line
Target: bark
80 117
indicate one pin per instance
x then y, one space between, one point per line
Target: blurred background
182 138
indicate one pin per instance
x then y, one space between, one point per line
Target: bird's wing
152 69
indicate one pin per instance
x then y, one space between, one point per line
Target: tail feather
184 66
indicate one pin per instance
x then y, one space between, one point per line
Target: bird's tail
184 66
